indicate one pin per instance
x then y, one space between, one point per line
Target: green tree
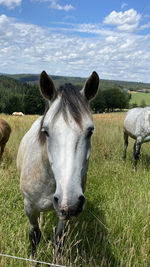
143 103
34 103
115 98
13 103
134 105
12 94
98 104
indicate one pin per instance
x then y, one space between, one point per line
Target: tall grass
114 228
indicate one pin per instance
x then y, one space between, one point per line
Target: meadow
114 228
140 98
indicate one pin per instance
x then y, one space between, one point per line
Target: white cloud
113 54
145 26
55 5
123 5
10 3
124 21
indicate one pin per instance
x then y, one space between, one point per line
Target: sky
76 37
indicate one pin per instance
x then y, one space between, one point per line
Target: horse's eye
44 130
90 131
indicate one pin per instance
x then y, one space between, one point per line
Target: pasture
114 228
139 98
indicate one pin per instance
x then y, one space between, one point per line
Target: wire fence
31 260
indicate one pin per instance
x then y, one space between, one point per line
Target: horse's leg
35 233
41 220
2 146
136 152
60 235
125 145
0 152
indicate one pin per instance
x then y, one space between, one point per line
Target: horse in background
137 126
53 155
5 131
17 114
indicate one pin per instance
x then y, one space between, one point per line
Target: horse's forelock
72 102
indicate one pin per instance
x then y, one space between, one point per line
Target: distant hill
59 80
7 84
21 92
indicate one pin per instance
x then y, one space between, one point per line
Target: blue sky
75 37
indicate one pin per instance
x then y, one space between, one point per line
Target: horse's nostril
81 202
64 212
55 201
82 199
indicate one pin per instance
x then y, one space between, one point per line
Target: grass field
138 98
114 228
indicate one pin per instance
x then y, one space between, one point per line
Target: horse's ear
91 86
47 86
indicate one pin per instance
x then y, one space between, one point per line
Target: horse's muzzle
69 211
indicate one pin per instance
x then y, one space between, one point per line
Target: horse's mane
71 102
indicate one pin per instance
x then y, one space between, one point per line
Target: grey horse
137 126
53 155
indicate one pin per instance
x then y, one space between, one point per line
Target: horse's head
67 127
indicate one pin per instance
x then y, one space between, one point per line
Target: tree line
16 96
25 97
110 99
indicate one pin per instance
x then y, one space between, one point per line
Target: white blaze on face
67 151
